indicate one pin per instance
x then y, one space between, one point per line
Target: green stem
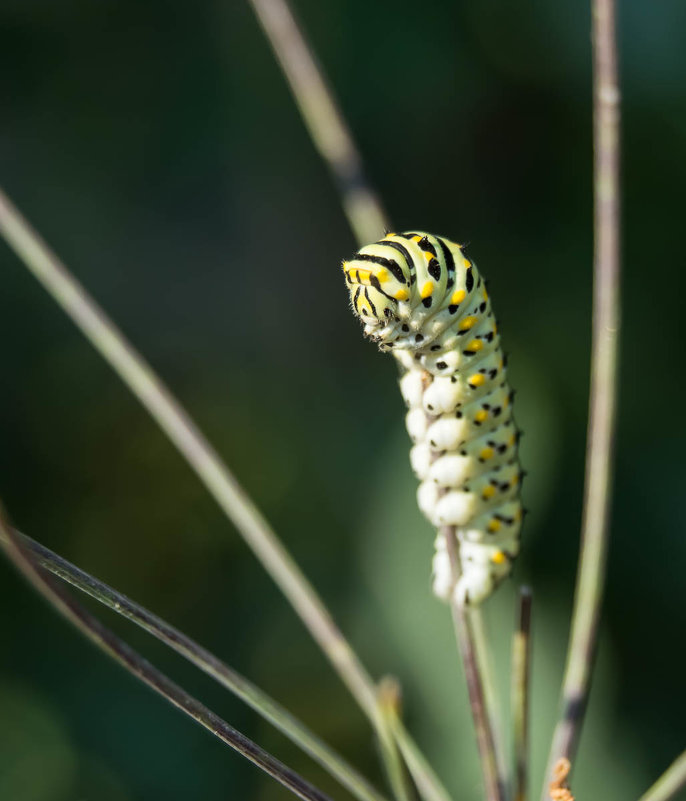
118 650
187 438
669 784
603 393
428 783
258 700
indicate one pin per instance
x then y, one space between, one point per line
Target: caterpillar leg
483 568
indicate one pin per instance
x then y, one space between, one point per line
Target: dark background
156 147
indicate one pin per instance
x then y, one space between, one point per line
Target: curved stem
269 709
323 119
118 650
603 394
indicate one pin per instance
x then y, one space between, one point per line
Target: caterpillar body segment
421 298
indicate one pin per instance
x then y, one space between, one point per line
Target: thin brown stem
173 419
258 700
603 394
669 784
493 783
135 664
184 434
521 667
323 119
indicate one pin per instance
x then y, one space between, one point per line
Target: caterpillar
419 297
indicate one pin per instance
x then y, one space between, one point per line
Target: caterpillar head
375 293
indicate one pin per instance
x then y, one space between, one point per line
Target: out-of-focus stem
521 667
184 434
323 119
191 443
603 394
269 709
669 784
485 665
493 782
118 650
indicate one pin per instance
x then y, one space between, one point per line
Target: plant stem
669 784
187 438
603 394
521 667
493 783
323 119
269 709
428 783
118 650
485 666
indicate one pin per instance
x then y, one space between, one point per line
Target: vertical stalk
521 667
493 782
485 664
603 394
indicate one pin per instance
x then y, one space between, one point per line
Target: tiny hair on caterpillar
421 298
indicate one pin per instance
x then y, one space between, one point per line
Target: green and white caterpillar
421 298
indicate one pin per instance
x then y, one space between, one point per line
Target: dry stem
184 434
493 782
521 666
603 395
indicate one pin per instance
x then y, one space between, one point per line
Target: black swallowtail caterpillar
421 298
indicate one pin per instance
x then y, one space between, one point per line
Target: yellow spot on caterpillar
457 297
389 235
488 492
467 264
476 380
475 344
485 294
401 294
428 256
481 416
382 275
512 440
486 453
427 290
493 526
416 239
467 323
515 481
499 558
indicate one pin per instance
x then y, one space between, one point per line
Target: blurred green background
156 147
